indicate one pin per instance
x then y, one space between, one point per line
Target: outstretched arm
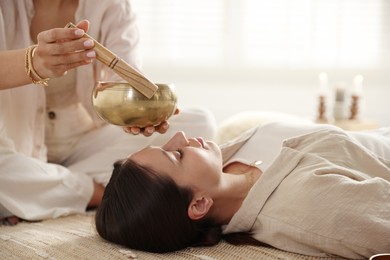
58 50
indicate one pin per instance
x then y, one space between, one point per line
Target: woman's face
192 162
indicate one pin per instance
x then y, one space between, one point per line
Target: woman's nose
177 141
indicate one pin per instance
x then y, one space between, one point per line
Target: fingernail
165 126
150 130
135 132
88 43
79 32
91 54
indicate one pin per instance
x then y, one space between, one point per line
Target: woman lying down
309 189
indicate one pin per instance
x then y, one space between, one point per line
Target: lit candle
323 80
357 85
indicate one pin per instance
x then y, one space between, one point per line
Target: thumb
84 24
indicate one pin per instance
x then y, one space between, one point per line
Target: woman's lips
200 140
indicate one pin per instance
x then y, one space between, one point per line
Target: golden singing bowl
120 104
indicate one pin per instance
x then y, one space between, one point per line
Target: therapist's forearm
12 69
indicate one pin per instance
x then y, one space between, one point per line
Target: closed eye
172 155
180 152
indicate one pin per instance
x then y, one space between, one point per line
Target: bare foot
11 221
97 195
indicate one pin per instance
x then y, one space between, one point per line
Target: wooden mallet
120 67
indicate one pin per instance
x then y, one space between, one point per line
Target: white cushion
240 122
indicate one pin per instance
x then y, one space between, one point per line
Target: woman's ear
199 207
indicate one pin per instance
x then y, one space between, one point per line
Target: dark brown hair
143 210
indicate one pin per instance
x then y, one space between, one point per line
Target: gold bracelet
32 74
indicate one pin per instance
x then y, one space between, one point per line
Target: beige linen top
23 109
324 194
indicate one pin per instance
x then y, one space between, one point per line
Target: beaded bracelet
32 74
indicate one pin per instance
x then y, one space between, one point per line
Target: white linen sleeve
34 190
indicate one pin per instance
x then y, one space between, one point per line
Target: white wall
210 50
226 92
